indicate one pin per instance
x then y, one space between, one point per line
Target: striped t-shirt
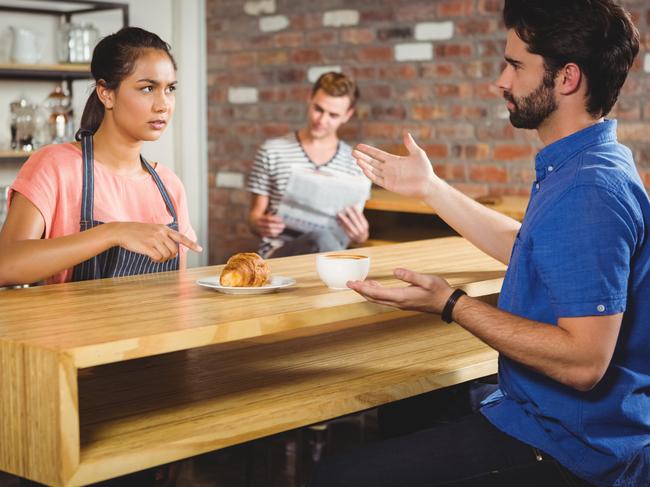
272 168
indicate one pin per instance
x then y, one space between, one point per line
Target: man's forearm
548 349
491 231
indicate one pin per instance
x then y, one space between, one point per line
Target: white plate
277 282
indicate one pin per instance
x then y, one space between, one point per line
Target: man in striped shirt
314 146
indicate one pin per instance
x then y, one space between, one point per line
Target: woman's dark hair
114 59
597 35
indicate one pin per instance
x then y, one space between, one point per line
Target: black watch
449 305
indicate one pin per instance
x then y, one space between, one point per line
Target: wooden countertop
383 200
98 322
102 378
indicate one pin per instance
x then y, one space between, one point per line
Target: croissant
245 269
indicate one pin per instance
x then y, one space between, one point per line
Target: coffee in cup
335 270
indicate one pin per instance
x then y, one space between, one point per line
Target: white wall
183 146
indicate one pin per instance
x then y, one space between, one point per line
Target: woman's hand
426 293
354 224
410 175
157 241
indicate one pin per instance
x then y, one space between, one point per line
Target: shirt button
600 308
550 168
536 185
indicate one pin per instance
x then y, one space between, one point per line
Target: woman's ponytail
93 114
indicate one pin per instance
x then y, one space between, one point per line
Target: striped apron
116 261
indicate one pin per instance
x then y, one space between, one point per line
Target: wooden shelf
383 200
13 156
45 71
205 399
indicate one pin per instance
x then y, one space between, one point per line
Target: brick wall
422 65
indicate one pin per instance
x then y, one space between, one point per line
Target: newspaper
314 197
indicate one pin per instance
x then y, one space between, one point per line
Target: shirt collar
554 155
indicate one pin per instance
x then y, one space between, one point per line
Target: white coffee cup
336 269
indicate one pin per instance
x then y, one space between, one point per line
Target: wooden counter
383 200
102 378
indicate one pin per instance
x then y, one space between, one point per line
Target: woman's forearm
28 261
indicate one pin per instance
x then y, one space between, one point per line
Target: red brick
453 172
273 94
291 75
490 7
429 112
437 70
225 44
322 38
217 95
273 57
376 92
634 132
453 50
420 132
626 110
488 174
436 151
274 129
242 60
307 21
350 132
487 90
239 197
455 8
646 111
364 72
300 93
473 27
357 36
375 54
472 112
375 130
306 56
496 131
522 174
400 71
414 11
288 39
508 152
244 129
475 152
452 90
481 69
392 33
455 131
491 48
377 15
391 112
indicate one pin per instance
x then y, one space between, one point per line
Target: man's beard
531 110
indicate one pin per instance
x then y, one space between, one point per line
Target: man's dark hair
597 35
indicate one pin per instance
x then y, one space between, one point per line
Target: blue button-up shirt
582 251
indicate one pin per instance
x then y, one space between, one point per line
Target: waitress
96 208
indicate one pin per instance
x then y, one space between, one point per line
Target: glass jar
25 115
58 103
76 42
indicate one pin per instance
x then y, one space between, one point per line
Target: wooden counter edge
354 314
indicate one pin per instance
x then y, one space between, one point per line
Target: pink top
52 180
